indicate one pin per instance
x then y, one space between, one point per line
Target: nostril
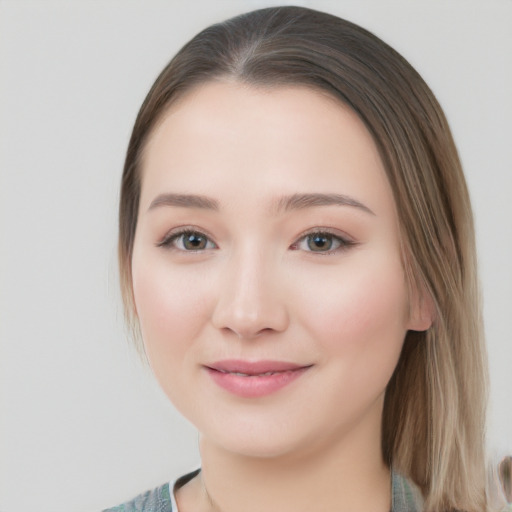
249 303
253 325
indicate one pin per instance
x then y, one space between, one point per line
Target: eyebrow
184 201
286 203
301 201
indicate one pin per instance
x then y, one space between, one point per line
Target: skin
257 291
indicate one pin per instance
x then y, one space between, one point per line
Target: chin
260 440
257 447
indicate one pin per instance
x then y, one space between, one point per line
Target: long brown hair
434 411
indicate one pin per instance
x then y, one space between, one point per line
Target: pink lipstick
254 379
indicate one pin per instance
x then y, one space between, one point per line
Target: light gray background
82 424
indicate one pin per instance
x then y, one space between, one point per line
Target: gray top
405 497
157 500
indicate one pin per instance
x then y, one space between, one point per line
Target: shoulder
406 496
159 499
155 500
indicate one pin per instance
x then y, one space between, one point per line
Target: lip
251 379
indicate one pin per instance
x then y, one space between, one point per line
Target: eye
187 240
322 242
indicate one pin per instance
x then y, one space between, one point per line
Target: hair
433 425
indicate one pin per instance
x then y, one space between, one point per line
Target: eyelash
343 243
171 238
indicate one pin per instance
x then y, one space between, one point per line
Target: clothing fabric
157 500
405 497
160 499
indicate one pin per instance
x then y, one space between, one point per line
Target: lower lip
254 385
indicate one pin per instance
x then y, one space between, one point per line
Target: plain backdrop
82 424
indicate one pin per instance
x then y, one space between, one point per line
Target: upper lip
253 367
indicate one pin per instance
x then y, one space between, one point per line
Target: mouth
251 379
241 374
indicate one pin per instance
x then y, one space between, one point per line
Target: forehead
224 137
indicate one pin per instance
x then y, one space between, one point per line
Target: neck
348 475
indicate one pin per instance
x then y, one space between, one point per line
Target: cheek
171 308
361 314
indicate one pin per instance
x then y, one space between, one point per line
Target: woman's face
266 268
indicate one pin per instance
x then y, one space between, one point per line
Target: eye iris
319 242
194 241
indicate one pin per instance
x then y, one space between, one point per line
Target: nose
250 298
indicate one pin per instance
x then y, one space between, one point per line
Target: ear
422 311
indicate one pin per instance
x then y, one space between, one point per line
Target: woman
297 250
